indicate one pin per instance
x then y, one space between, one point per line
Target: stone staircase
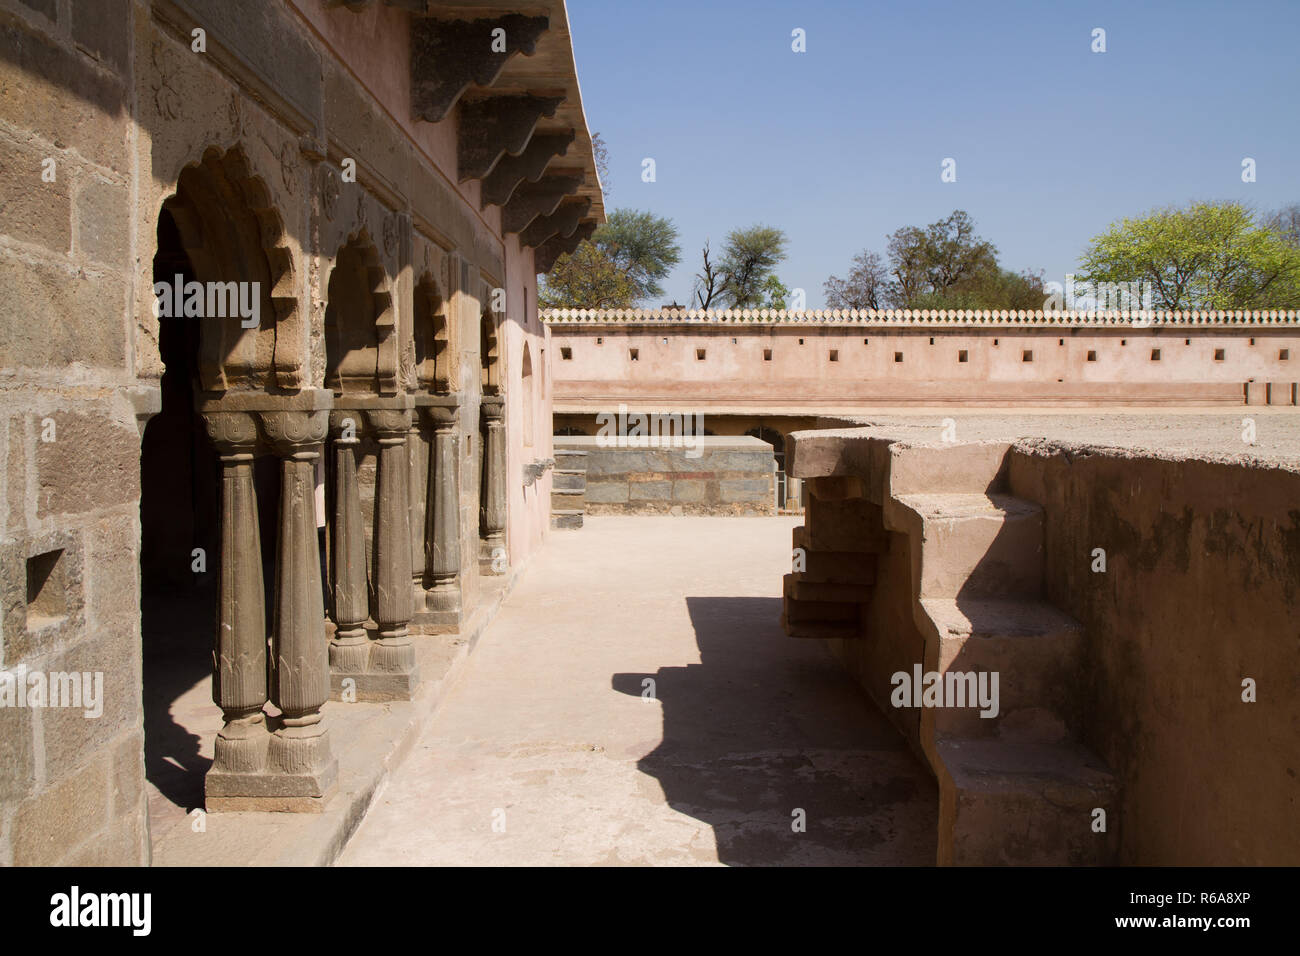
1018 787
837 548
568 488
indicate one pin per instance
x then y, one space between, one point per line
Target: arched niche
231 232
432 334
360 344
528 394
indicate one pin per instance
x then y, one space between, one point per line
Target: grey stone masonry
705 475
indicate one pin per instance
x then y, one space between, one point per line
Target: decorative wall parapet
924 318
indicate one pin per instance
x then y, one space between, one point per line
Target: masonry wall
1201 591
113 94
833 365
720 476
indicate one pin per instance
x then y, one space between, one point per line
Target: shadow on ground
766 726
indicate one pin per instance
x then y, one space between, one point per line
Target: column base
294 772
387 672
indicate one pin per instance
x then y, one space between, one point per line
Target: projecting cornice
561 223
537 199
492 127
528 166
544 256
450 56
925 318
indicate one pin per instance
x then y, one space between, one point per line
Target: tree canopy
1209 255
621 264
742 278
944 265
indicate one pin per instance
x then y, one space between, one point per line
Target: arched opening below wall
773 438
180 553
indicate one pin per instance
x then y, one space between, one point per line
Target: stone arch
231 231
432 334
360 344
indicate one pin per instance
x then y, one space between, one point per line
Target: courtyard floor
635 701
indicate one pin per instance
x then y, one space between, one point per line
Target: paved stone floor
546 752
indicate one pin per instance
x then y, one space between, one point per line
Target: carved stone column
442 539
417 457
239 654
350 649
493 511
299 752
393 652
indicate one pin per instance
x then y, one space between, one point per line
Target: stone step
964 468
855 563
566 519
800 612
850 524
1024 804
570 459
975 545
1036 651
821 630
567 500
803 588
569 481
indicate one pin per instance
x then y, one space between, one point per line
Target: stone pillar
299 753
239 655
393 652
417 457
350 649
493 511
442 540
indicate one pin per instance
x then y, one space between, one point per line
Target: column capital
389 424
233 433
293 433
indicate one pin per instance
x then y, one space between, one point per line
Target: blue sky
842 144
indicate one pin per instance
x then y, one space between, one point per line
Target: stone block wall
720 475
71 785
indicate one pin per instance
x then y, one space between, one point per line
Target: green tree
748 258
641 244
1209 255
775 293
588 278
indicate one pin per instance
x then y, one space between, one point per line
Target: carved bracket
528 165
544 256
535 469
537 199
562 222
497 125
450 56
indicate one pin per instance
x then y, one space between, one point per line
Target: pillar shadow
766 726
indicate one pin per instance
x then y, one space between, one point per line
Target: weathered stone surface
52 317
68 484
31 209
745 489
102 223
650 490
103 28
61 96
688 490
607 492
71 811
17 756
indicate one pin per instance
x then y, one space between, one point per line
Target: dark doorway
178 514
